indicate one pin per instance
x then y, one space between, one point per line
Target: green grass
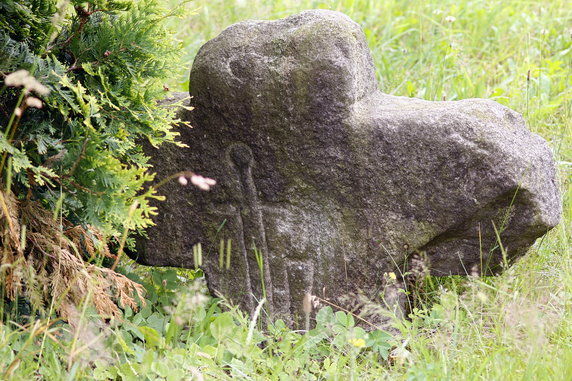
517 326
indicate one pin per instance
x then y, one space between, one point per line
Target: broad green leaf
222 326
152 338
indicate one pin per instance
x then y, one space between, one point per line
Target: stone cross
325 183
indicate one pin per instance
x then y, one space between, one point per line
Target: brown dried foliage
41 261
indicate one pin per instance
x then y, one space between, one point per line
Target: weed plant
515 326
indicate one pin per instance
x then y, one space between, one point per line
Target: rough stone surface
334 182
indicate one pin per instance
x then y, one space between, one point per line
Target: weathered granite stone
333 182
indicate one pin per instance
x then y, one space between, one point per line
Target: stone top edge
296 19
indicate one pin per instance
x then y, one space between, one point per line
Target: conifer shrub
79 86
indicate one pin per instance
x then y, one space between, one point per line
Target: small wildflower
358 343
183 180
482 297
201 182
16 78
390 277
450 19
18 111
315 301
165 87
107 53
32 84
399 355
34 102
23 78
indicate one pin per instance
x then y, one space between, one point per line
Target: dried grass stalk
47 262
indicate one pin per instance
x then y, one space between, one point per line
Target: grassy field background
518 53
517 326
